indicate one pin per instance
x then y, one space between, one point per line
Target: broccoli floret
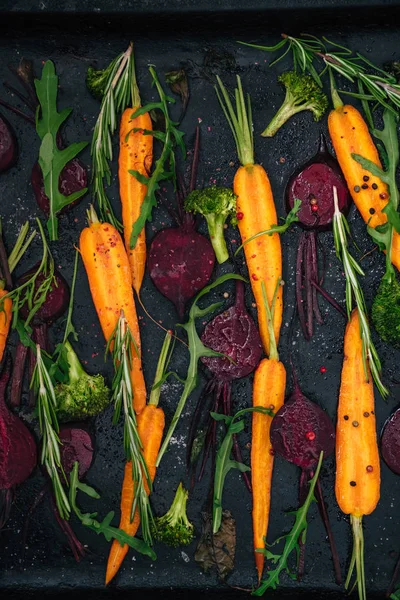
96 80
84 395
216 204
302 93
386 311
174 528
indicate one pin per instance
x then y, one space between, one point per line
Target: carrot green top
239 120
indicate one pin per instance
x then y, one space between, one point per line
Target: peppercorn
355 423
371 211
353 483
365 178
346 417
364 186
374 186
366 414
383 195
370 468
357 188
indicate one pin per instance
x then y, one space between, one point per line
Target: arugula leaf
298 530
164 166
52 160
382 235
224 463
102 527
291 217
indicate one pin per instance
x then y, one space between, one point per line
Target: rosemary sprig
26 293
224 463
120 92
102 527
353 290
122 342
308 51
48 425
297 533
165 165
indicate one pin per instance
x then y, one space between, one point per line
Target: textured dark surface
206 45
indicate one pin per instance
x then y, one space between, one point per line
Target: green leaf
103 527
52 160
290 218
223 462
392 215
139 176
368 165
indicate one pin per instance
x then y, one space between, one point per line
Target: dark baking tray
167 35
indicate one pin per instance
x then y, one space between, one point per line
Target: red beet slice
56 301
312 183
300 430
72 179
77 446
8 145
391 442
17 448
180 264
234 334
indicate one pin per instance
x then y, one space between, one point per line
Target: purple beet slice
234 334
73 178
391 442
8 145
313 183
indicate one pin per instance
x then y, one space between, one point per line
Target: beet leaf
298 531
52 160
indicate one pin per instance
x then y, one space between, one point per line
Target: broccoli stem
75 370
177 510
286 111
215 225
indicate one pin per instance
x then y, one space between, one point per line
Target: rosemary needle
123 343
50 456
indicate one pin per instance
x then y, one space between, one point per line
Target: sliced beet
234 334
300 430
312 183
57 299
8 145
391 442
72 179
181 260
77 446
17 448
180 264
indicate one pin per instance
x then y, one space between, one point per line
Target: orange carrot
255 213
268 392
136 154
357 483
350 135
110 282
5 321
150 427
